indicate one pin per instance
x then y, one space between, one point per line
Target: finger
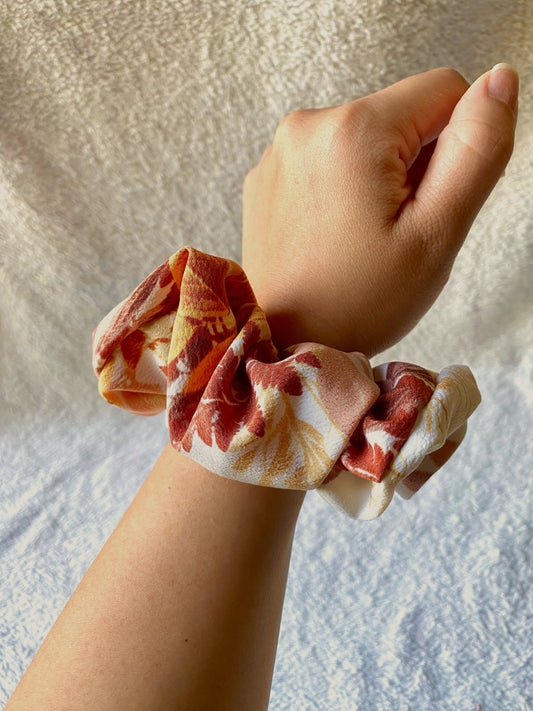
416 109
469 158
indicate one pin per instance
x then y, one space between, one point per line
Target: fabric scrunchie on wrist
192 339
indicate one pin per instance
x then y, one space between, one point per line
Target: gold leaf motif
245 461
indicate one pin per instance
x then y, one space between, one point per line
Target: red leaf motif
384 430
228 404
132 348
283 375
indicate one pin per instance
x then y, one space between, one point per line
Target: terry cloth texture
126 130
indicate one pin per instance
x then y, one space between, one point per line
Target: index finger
416 109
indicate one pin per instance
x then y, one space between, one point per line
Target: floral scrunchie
192 339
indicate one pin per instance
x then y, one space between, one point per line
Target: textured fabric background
126 129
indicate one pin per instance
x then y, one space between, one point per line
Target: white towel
126 128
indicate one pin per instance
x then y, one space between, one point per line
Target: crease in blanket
192 339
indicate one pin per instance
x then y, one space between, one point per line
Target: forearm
182 607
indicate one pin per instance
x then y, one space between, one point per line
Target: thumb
469 157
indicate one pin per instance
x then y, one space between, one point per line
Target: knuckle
331 133
361 113
341 126
251 177
290 126
328 127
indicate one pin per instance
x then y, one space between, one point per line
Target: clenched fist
355 213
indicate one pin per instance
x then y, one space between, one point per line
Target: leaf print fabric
192 340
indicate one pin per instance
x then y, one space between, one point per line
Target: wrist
256 502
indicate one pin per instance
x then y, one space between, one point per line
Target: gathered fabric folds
192 340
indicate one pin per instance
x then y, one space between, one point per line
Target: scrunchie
193 340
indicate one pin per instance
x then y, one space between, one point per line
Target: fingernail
503 84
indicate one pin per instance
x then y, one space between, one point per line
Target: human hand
355 213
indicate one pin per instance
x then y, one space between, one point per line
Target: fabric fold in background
192 339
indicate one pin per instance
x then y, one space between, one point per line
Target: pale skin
182 607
